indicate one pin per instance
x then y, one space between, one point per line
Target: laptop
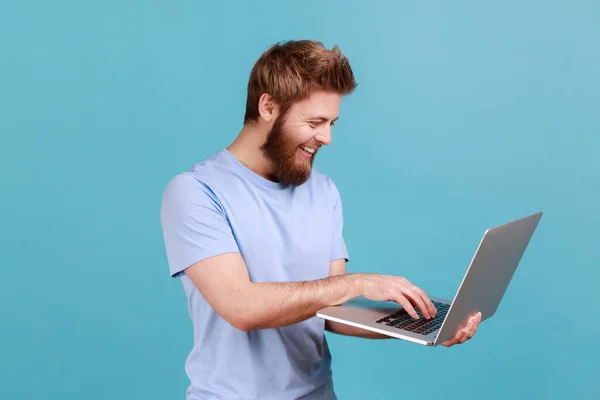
482 288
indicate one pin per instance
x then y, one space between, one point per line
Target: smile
308 149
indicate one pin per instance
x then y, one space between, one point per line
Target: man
255 235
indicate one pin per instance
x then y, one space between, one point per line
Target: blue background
467 115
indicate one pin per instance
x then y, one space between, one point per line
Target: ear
268 107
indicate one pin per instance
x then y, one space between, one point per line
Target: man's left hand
465 333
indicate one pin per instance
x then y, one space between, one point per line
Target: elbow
241 324
246 324
240 313
241 321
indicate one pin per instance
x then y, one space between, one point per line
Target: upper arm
194 224
199 242
222 280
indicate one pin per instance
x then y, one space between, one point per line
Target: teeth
308 149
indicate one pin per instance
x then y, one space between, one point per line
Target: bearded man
254 233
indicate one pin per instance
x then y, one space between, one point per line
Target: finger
457 338
473 324
465 335
427 300
454 339
469 330
477 320
451 342
407 291
415 298
473 332
428 304
403 301
476 326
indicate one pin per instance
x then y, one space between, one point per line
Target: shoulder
194 184
325 185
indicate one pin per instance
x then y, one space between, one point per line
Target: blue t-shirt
284 234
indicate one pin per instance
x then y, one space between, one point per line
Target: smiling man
254 232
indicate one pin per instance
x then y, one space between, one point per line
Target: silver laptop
482 289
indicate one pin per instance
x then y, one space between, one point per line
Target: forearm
348 330
275 304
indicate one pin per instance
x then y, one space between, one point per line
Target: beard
281 150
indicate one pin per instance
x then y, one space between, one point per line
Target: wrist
355 286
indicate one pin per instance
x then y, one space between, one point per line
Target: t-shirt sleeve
338 249
194 224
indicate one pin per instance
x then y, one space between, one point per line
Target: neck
247 149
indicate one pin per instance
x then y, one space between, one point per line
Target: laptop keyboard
402 320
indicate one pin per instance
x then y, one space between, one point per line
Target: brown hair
289 71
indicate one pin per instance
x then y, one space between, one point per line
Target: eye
332 123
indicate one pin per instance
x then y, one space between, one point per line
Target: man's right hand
401 290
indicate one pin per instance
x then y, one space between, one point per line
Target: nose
324 136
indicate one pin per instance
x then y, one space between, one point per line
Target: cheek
294 134
303 135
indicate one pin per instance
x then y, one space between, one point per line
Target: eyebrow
322 119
